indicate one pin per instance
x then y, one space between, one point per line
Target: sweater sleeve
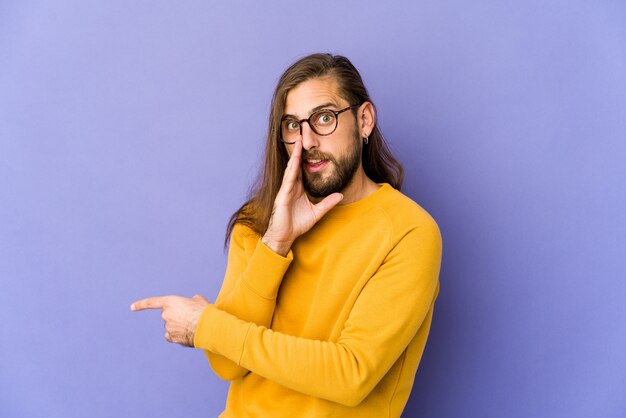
385 317
253 275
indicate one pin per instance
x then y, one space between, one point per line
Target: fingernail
132 307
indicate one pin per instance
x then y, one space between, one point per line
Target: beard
344 169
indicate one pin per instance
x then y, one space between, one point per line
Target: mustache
316 155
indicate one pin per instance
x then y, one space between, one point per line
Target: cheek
343 145
346 134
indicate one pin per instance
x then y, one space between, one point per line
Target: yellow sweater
338 326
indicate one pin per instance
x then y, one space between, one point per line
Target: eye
325 118
291 125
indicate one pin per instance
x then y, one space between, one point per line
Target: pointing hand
181 315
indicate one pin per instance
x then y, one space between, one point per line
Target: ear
366 119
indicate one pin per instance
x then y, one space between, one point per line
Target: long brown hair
378 162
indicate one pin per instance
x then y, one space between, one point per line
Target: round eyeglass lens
324 122
290 129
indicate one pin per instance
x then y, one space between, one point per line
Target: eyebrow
315 109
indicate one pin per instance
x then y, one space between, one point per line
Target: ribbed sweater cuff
221 333
266 270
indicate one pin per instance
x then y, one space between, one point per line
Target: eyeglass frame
308 120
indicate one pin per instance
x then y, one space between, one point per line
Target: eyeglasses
323 122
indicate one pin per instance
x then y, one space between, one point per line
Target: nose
310 139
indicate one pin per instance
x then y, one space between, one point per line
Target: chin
326 187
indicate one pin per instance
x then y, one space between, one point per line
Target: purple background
130 131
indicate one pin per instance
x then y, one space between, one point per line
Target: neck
359 188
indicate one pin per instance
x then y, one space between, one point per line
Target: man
332 273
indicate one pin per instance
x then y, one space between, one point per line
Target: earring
366 140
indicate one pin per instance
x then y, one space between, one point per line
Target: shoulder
243 236
405 215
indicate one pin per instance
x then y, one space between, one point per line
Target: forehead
308 95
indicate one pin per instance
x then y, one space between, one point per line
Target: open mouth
315 165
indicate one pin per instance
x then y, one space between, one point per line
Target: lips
315 165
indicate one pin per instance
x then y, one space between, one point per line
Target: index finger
297 149
293 165
156 302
